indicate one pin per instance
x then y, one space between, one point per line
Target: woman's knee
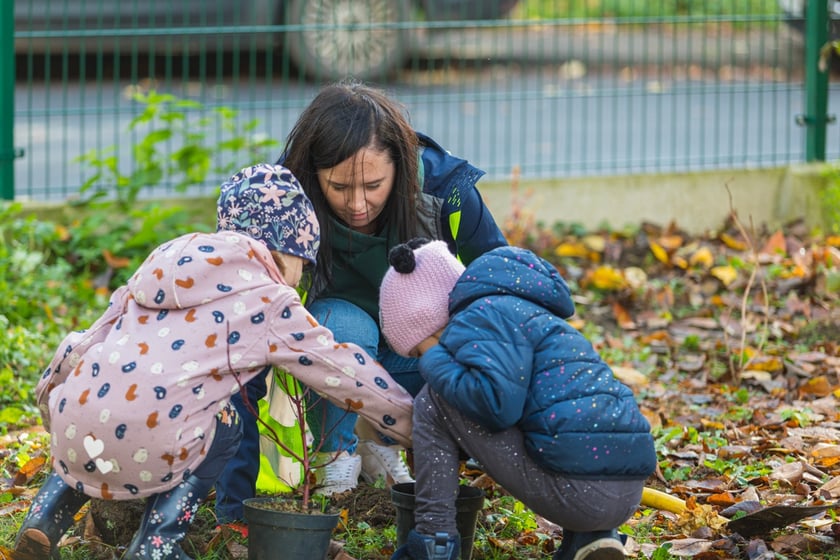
348 322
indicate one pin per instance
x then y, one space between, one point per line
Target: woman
374 182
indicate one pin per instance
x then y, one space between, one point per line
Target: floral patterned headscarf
267 203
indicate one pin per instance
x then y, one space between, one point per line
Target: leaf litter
729 340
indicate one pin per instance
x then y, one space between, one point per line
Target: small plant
292 441
176 149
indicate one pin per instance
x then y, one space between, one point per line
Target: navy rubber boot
50 515
442 546
165 523
591 545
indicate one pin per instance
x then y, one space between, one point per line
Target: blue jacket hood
516 272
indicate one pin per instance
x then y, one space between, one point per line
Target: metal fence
550 89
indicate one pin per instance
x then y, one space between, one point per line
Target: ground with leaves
729 340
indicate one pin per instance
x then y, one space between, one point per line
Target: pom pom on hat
267 203
414 295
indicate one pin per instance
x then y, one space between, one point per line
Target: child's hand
427 343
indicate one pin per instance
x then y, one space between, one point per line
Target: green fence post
7 100
816 81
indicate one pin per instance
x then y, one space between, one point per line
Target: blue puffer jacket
508 358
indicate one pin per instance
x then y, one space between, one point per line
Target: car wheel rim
347 35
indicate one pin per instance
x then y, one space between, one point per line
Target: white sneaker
382 461
339 475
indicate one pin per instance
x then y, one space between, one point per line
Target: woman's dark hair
342 119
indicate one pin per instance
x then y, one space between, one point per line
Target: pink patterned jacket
131 402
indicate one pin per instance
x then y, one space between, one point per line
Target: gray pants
440 432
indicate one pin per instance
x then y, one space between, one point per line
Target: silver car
323 38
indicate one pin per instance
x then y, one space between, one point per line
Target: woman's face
358 188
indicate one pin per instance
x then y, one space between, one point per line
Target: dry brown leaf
818 386
831 489
788 472
114 261
630 376
775 245
622 317
671 242
28 471
724 499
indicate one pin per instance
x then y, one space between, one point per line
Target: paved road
557 106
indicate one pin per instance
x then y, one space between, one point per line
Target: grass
561 9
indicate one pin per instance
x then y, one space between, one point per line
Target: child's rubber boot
442 546
167 519
49 517
592 545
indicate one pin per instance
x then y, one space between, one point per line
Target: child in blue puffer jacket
511 384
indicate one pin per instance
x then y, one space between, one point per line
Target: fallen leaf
726 274
773 517
775 244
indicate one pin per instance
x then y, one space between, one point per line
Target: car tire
328 48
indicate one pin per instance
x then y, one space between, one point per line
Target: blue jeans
238 480
349 323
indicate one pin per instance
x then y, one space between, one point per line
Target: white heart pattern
93 446
104 466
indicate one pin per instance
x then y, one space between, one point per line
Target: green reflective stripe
454 223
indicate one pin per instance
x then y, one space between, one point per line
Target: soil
110 525
369 504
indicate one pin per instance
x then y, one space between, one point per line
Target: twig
742 362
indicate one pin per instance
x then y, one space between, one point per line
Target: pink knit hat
414 295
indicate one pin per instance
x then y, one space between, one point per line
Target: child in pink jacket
138 404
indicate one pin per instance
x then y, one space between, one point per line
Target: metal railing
560 96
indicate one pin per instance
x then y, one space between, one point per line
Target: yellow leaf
680 262
711 424
702 257
571 250
726 274
732 243
767 363
63 232
658 252
607 278
595 243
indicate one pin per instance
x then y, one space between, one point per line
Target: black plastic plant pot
468 505
273 533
